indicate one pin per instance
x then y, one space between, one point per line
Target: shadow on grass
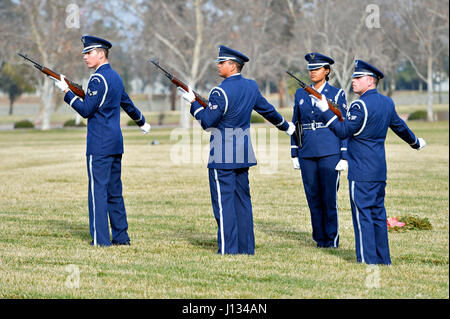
346 254
286 232
204 242
76 230
304 239
208 241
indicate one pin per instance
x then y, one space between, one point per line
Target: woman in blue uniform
320 154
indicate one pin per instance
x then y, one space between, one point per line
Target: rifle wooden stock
74 87
203 102
333 106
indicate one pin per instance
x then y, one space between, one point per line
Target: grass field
44 232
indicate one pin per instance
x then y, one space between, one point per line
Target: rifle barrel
179 83
302 84
156 63
37 65
74 87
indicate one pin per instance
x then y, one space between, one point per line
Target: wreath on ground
409 222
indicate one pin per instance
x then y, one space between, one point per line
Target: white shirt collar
321 87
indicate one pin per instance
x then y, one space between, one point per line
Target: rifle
74 87
334 107
203 102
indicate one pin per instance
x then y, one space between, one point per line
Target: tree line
185 34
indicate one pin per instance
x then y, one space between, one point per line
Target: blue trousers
369 222
105 200
230 196
321 184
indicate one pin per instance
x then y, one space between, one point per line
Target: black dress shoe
127 243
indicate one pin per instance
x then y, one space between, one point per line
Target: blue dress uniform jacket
366 125
101 106
227 117
318 156
321 141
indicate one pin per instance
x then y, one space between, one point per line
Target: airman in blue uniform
227 117
365 126
321 155
101 107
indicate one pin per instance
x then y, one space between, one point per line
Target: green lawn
44 232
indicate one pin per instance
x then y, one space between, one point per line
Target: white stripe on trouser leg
358 223
93 199
337 213
219 199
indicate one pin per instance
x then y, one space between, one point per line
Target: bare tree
50 39
50 32
340 30
275 34
262 30
419 31
8 29
184 35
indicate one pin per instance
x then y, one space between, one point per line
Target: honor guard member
101 106
227 117
366 125
320 154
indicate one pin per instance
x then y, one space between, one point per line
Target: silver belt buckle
313 126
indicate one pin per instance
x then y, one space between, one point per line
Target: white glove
291 129
295 162
61 84
188 96
321 104
422 143
145 128
342 165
